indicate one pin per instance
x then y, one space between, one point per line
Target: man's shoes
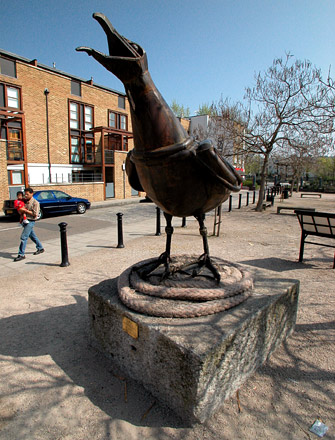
39 251
19 258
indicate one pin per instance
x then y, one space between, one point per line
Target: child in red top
18 205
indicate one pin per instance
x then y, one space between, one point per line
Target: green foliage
248 182
253 164
207 109
325 168
179 110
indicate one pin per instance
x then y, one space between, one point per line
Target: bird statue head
126 60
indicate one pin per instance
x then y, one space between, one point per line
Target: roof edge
33 62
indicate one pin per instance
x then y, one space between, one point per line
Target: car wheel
81 208
40 215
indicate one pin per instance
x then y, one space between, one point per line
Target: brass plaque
130 327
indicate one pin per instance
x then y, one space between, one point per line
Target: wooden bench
319 224
310 195
292 208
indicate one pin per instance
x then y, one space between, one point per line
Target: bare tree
299 157
282 112
224 126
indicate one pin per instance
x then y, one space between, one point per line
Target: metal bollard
247 202
119 231
254 197
158 221
63 245
183 222
230 202
240 201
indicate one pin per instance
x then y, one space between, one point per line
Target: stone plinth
193 364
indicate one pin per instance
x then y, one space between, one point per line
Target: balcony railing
14 150
74 177
86 177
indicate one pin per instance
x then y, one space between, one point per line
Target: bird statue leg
204 259
165 257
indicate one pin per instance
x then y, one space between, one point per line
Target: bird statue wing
216 166
133 178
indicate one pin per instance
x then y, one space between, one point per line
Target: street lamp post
46 92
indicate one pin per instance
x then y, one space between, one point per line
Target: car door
48 202
65 202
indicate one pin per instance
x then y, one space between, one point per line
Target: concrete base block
192 365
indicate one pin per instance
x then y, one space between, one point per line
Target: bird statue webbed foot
165 260
196 267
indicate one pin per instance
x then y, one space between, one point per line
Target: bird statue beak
126 59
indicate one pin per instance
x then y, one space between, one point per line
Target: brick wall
34 80
121 185
94 192
185 123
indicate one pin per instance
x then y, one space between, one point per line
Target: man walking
31 210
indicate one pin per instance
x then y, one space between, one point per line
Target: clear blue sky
198 50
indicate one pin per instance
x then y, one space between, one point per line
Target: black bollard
240 201
63 245
230 202
158 221
119 231
183 222
247 202
254 197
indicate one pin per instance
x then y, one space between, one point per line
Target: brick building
58 130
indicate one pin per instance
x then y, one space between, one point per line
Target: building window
7 67
88 116
81 116
75 88
89 151
9 97
75 156
123 122
81 121
112 120
13 97
117 121
14 144
11 139
82 150
74 116
15 177
121 100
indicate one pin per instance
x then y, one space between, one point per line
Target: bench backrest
317 223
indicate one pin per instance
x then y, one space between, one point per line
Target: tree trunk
259 205
292 186
298 183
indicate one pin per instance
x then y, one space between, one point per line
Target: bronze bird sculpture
182 176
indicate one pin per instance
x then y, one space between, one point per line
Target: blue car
53 202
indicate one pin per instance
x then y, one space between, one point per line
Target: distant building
58 130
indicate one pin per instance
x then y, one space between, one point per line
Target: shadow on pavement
62 333
276 264
8 255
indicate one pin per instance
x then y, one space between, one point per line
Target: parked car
52 202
